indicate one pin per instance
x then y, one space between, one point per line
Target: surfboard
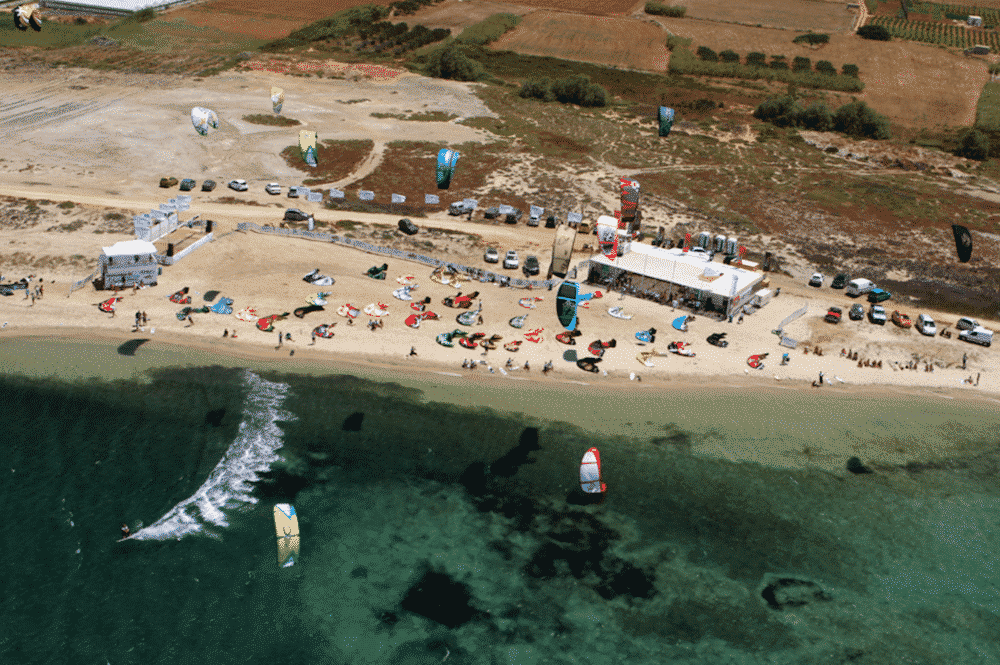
286 527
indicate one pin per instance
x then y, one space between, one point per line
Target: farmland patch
816 15
456 15
916 85
591 7
621 42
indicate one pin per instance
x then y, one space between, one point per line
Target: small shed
127 263
974 21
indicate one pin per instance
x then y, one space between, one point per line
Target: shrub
665 10
757 59
877 32
859 120
143 15
538 89
578 89
850 70
973 144
817 117
826 67
729 56
449 62
800 64
707 54
781 111
812 38
778 62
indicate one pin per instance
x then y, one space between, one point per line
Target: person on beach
225 333
126 532
144 318
32 299
413 350
740 320
279 341
41 289
965 357
190 320
288 337
977 377
527 368
821 378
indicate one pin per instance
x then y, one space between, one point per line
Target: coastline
649 412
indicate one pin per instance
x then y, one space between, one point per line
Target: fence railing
81 283
471 273
171 260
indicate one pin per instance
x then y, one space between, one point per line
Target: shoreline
660 408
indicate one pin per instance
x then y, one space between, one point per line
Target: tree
449 62
800 64
707 54
826 67
877 32
850 70
578 89
817 117
859 120
729 56
778 62
782 111
757 59
973 144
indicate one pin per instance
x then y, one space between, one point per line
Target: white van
926 325
977 335
857 287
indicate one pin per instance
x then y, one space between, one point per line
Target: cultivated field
622 41
815 15
592 7
916 85
263 20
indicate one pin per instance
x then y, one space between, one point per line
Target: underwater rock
854 465
789 592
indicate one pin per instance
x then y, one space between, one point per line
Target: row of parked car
237 185
969 329
511 261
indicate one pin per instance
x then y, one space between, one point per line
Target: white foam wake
228 486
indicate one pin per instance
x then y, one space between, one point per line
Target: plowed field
264 20
623 42
816 15
916 85
592 7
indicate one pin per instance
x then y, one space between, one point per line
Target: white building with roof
129 262
674 273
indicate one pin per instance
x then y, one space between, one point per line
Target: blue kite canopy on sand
224 306
680 323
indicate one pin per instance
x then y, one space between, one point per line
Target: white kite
26 15
203 118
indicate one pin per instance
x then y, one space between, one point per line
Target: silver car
511 261
492 255
238 185
272 188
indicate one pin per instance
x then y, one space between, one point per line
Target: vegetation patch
489 30
856 119
335 160
945 34
812 38
273 120
824 77
660 9
426 116
577 89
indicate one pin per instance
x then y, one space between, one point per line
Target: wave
229 484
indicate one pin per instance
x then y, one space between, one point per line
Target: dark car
514 217
833 315
716 339
531 266
878 295
857 312
491 213
407 227
168 182
550 222
208 185
187 184
295 215
840 281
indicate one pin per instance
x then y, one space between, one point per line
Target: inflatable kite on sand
277 99
203 118
26 15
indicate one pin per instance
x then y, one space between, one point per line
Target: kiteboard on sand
286 526
590 473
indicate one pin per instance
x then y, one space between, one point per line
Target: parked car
293 191
859 286
208 185
514 217
877 315
901 320
977 335
531 266
408 227
168 182
187 184
840 281
833 315
550 222
926 325
492 255
272 188
878 295
857 312
296 215
965 323
459 208
238 185
816 279
511 261
491 213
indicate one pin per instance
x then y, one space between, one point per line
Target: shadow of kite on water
129 348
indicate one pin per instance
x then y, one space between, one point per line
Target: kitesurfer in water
126 532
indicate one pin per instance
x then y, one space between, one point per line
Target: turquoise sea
443 531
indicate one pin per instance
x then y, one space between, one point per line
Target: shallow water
432 530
